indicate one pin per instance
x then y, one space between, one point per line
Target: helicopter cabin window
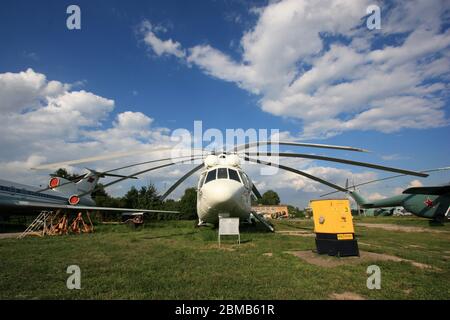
233 175
210 176
222 173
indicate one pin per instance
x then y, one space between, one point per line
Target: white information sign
229 227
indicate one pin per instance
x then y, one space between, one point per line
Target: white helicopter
224 187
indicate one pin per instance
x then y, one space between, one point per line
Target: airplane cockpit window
210 176
222 173
233 175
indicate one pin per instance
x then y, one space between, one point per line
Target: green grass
174 260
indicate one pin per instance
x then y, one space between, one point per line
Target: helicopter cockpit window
202 180
245 179
233 175
222 173
210 176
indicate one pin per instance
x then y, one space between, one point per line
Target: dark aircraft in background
430 202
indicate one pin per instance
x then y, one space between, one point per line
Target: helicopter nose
222 196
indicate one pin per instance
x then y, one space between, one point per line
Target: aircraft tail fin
81 185
360 200
87 183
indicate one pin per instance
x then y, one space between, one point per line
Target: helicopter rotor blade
141 172
107 173
340 160
386 178
184 177
150 161
297 144
104 157
302 173
236 148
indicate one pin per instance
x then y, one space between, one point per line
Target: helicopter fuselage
223 189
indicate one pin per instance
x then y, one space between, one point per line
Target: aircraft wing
435 190
32 204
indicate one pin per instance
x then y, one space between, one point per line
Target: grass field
174 260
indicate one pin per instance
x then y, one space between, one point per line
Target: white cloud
291 58
375 196
25 89
415 184
160 47
45 121
66 124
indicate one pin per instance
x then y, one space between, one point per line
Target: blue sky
233 64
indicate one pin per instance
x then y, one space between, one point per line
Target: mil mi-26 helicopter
224 187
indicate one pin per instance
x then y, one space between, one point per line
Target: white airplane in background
60 194
223 186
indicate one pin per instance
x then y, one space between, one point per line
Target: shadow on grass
435 223
286 224
258 228
169 235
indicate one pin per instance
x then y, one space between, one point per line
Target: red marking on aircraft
429 203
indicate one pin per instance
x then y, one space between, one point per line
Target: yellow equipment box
333 226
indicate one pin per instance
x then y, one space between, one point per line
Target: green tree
63 173
269 197
170 205
131 198
295 212
100 196
188 204
149 198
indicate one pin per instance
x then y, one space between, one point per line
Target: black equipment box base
330 244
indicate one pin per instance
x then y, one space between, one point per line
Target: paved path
9 235
394 227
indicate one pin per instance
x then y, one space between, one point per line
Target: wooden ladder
37 224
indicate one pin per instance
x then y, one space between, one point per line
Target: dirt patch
365 256
268 254
394 227
415 246
346 296
223 247
299 233
367 244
